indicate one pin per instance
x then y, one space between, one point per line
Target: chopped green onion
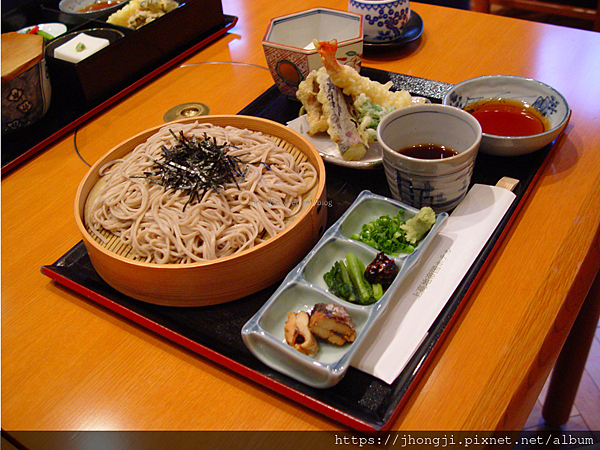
385 235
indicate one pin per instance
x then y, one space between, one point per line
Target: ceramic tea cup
383 20
407 135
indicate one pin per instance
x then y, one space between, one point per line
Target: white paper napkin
426 290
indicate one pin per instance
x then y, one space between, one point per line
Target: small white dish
53 29
103 33
304 287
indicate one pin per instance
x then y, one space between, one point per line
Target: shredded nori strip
195 166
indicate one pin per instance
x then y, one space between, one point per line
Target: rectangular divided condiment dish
304 287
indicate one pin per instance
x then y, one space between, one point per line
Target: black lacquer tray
360 401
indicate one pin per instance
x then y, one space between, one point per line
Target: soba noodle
153 221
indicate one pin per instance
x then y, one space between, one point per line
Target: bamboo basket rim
258 122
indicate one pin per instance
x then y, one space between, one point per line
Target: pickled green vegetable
346 279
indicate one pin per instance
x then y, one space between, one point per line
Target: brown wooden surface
68 364
560 9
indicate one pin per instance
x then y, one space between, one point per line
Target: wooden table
70 365
591 14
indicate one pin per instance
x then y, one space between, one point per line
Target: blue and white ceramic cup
438 183
383 20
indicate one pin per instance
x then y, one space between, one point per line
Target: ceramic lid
20 52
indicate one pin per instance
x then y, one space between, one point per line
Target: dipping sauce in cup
428 151
409 136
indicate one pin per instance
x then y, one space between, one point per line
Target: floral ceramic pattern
25 98
547 105
383 22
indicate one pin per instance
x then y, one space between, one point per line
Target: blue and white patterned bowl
547 100
383 20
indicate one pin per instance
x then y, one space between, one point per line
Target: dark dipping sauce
428 151
97 6
508 117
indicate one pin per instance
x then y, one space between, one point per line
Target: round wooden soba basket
224 279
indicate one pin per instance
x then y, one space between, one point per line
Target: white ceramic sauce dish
548 101
304 287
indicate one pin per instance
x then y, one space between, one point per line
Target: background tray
79 91
359 401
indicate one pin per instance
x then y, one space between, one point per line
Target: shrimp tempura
352 83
